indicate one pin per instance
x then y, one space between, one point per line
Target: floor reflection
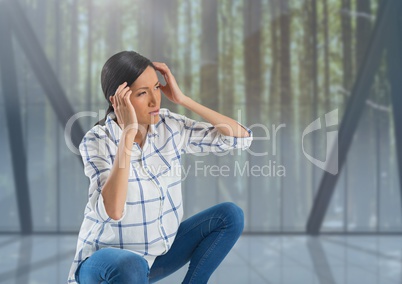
255 259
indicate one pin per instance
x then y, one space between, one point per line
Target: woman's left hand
171 89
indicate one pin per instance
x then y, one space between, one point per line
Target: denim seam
206 254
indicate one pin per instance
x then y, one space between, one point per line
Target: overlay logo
330 164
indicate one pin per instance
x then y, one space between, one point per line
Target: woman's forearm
114 191
224 124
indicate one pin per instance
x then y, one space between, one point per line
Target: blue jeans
203 239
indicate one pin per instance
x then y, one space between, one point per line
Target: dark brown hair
125 66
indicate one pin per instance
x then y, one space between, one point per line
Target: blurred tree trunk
306 104
74 52
252 72
227 58
145 16
306 63
347 66
113 28
273 86
285 70
363 30
57 38
88 92
64 51
314 88
274 109
347 62
187 57
327 79
164 30
209 55
363 190
57 65
209 91
253 85
289 186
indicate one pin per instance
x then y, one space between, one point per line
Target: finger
127 98
122 94
170 79
162 67
117 100
120 87
156 63
126 92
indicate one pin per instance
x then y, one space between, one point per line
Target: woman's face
146 97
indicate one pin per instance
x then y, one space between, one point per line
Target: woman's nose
152 100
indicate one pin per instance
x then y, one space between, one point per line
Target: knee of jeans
233 215
131 268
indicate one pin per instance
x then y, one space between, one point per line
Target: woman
133 230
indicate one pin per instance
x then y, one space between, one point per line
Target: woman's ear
111 98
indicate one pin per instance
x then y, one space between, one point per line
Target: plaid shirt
153 209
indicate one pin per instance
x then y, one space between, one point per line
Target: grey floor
255 259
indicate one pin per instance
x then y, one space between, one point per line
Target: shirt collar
115 130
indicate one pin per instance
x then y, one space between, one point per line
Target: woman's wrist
184 101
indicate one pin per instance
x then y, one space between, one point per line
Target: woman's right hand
124 110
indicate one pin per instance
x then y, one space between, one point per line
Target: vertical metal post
394 61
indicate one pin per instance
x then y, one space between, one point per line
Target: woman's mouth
155 112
